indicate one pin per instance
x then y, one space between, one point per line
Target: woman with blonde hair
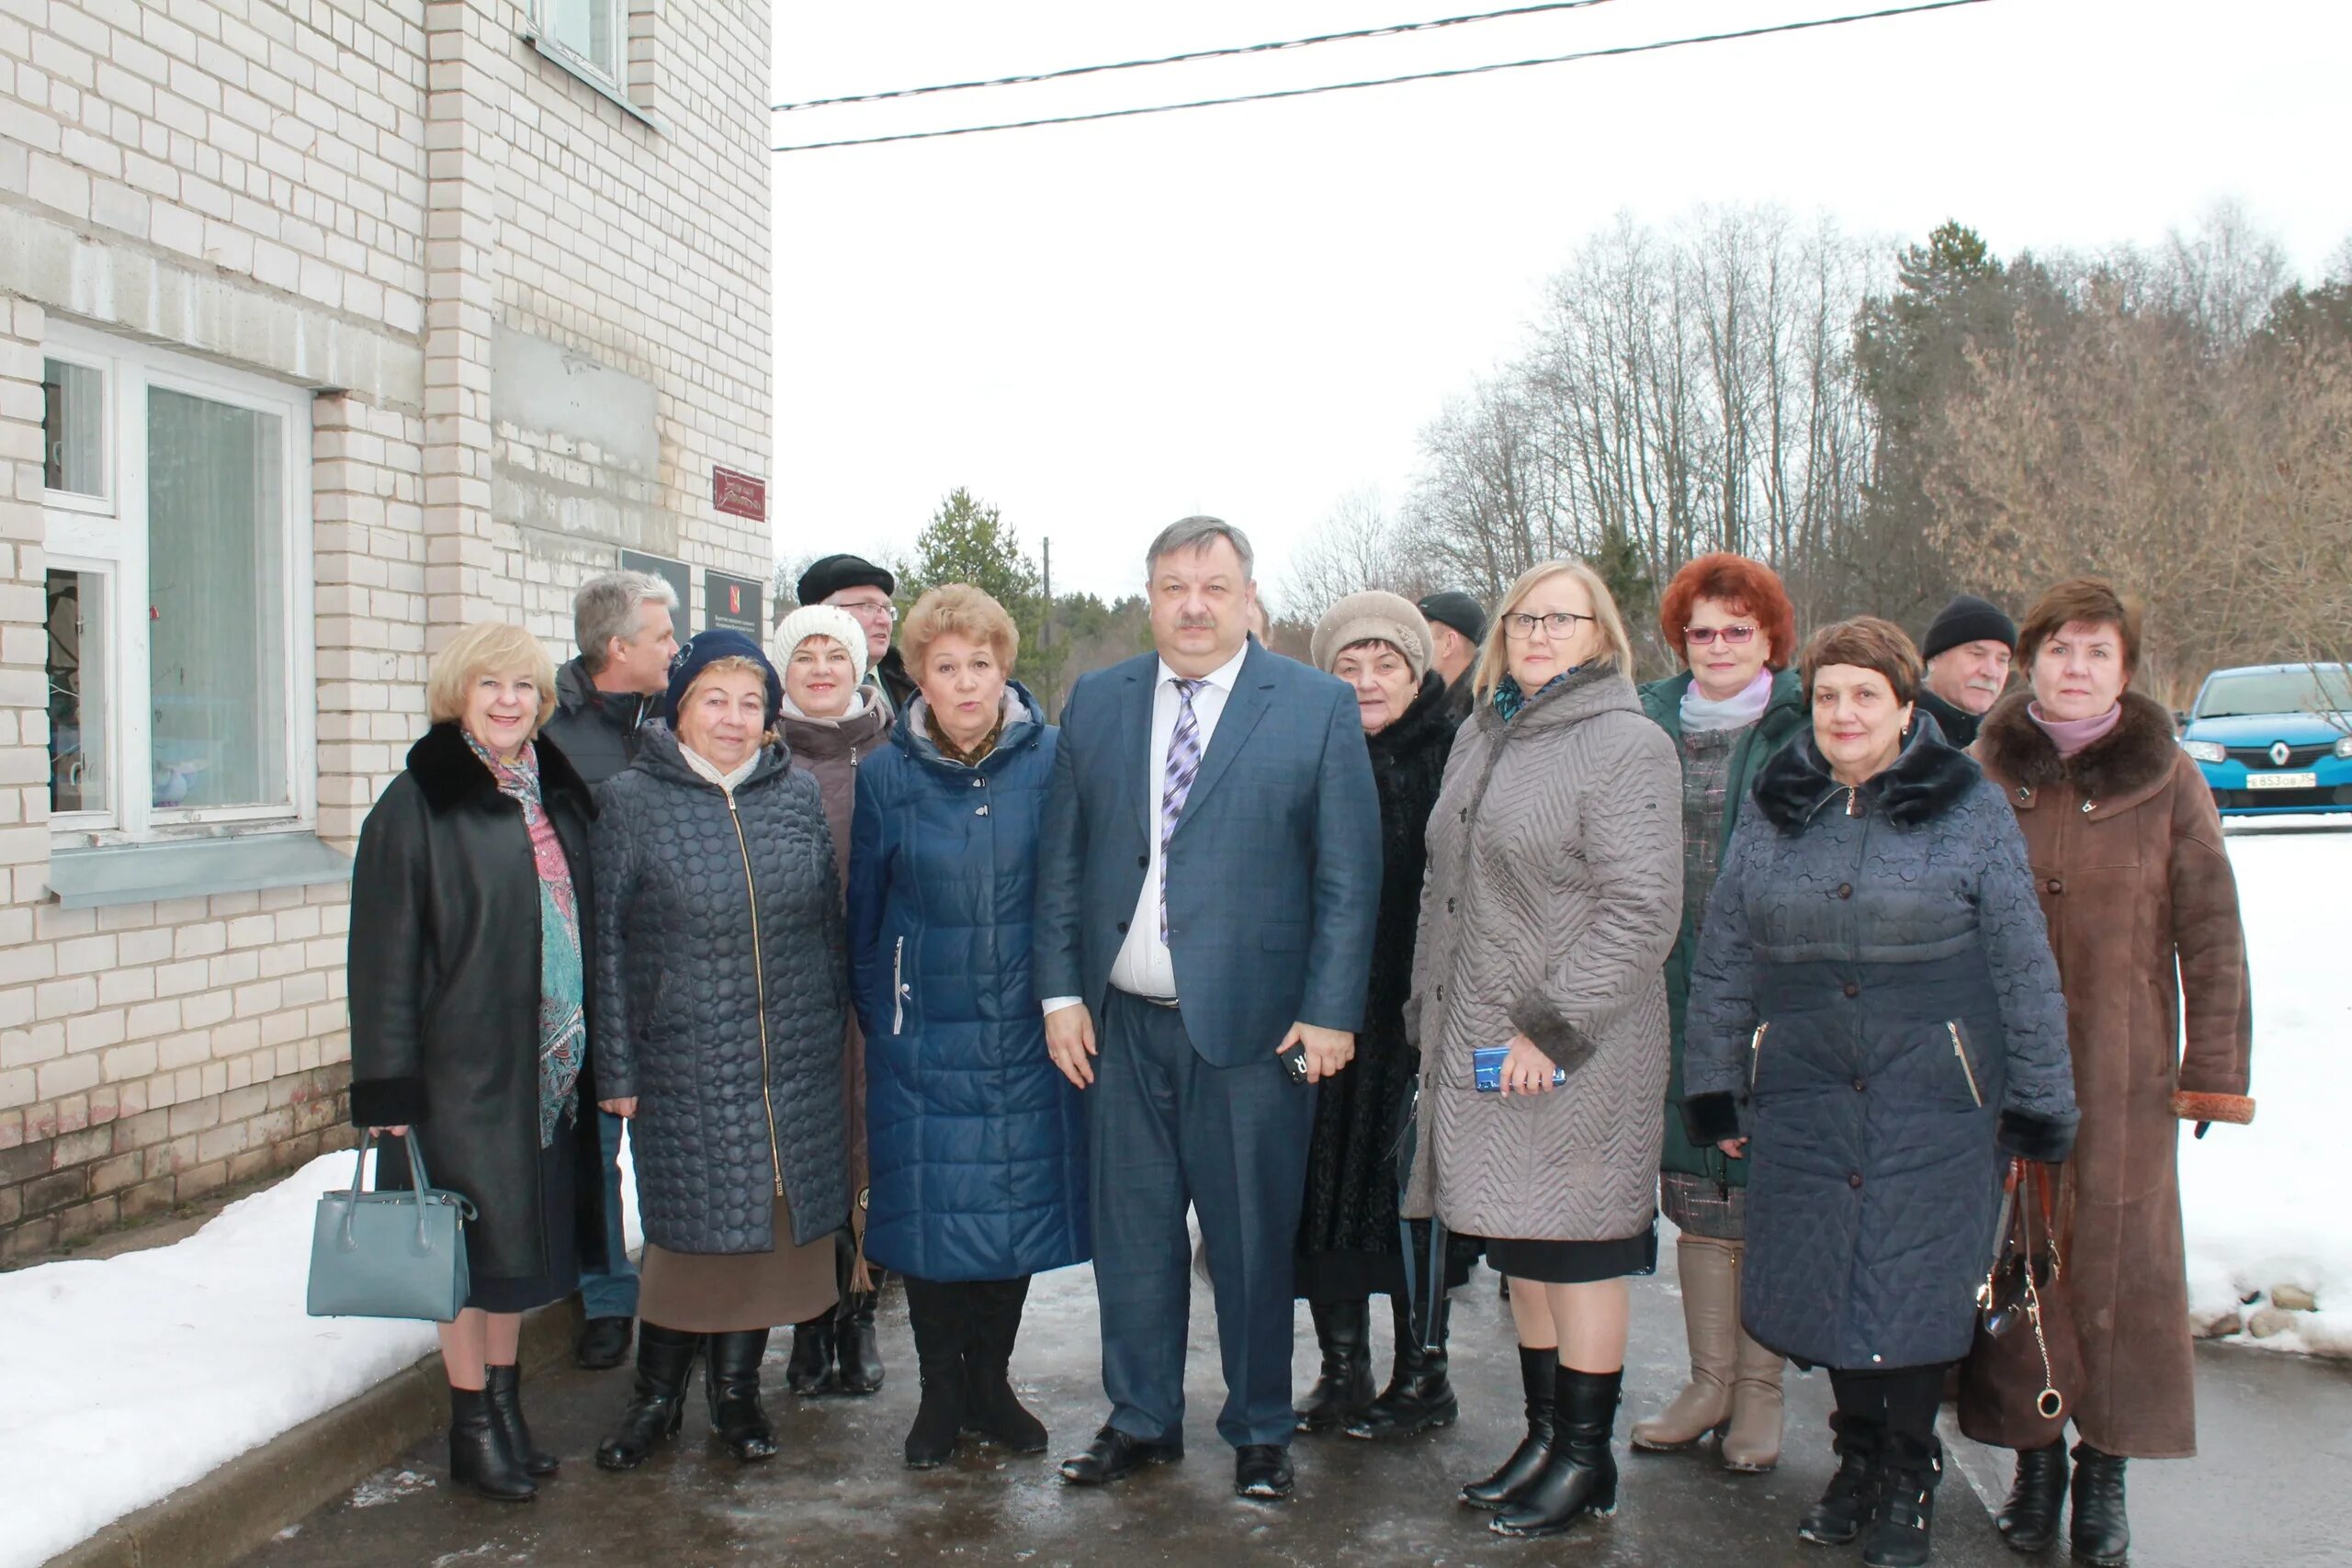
722 993
1554 894
470 915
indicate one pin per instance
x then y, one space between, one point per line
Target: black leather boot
1420 1395
665 1360
1580 1477
1851 1500
810 1373
480 1460
991 1410
1343 1330
733 1382
940 1315
2100 1534
2029 1520
503 1390
859 1355
1908 1472
1539 1373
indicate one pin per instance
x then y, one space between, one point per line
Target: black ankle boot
503 1391
1418 1395
810 1373
733 1382
1539 1373
480 1460
991 1410
1343 1330
2100 1534
859 1354
2029 1520
665 1359
1851 1501
1899 1537
940 1315
1580 1477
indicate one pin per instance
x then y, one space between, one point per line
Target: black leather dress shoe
1260 1469
602 1343
1114 1454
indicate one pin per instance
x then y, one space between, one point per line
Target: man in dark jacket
1458 625
1968 647
622 624
857 585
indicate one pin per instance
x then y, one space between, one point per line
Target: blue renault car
2274 738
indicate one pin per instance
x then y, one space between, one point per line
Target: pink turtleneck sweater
2071 735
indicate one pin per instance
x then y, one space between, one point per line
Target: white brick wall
349 194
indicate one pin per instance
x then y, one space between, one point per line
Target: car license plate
2282 781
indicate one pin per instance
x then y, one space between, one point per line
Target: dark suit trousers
1167 1128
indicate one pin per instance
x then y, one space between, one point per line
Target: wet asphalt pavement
2277 1434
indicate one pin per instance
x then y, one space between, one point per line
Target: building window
179 593
594 30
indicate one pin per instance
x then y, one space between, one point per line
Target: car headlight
2344 747
2212 752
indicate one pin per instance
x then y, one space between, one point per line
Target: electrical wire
1392 31
1382 81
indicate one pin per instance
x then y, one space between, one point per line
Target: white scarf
856 706
1700 714
730 783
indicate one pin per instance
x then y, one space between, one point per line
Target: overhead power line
1392 31
1384 80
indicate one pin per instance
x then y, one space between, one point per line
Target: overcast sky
1253 311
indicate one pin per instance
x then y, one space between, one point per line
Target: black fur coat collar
2140 752
1927 778
449 774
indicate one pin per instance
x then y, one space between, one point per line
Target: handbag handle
348 1242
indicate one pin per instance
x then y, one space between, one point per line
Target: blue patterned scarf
563 1027
1509 699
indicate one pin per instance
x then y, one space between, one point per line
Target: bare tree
1359 545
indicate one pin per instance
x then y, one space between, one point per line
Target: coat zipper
1960 1051
898 987
760 982
1756 1053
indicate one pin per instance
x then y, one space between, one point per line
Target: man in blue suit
1209 876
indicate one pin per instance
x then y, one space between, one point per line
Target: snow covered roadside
131 1377
2262 1205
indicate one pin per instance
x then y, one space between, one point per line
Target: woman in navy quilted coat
1875 1025
977 1146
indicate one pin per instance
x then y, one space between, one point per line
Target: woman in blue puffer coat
978 1145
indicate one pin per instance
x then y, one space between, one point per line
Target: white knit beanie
820 620
1375 617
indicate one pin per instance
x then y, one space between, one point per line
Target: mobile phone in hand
1293 1058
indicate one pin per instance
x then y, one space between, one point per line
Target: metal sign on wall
732 603
673 572
739 494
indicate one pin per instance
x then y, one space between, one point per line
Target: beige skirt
701 1294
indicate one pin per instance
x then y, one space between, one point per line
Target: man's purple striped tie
1183 766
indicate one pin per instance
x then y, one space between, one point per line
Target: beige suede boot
1710 1272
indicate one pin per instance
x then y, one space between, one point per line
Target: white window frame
110 538
616 74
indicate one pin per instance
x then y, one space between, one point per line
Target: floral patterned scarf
563 1027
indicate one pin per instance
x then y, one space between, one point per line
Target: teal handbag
389 1254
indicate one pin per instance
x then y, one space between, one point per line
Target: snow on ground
130 1377
2261 1204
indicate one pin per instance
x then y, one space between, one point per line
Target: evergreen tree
967 540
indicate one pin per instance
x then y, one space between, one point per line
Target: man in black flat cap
1458 623
1967 649
857 585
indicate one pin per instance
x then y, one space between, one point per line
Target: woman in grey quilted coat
1554 893
1875 1024
722 990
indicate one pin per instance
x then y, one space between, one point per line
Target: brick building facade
326 327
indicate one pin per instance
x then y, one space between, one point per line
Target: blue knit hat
699 654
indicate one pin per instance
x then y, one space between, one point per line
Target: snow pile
2260 1203
130 1377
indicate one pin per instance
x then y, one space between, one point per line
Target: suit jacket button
1122 928
1143 862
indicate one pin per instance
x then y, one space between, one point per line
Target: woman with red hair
1734 704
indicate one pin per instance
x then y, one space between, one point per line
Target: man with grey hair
1208 877
622 623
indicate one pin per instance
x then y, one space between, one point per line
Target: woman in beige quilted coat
1554 893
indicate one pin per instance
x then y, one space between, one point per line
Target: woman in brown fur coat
2126 854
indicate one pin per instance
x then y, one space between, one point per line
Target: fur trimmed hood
2140 752
1927 778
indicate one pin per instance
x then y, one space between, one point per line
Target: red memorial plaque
741 495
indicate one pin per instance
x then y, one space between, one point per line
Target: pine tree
967 540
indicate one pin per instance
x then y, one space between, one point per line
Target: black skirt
557 1222
1575 1262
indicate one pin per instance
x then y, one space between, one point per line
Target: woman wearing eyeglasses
1736 704
1554 894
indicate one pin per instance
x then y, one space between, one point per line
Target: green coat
1784 717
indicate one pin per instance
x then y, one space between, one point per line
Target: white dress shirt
1144 966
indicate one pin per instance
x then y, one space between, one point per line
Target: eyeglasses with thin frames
1521 626
881 607
1737 637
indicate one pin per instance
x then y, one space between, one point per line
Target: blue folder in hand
1486 1069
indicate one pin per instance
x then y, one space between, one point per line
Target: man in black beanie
1457 625
857 585
1967 648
